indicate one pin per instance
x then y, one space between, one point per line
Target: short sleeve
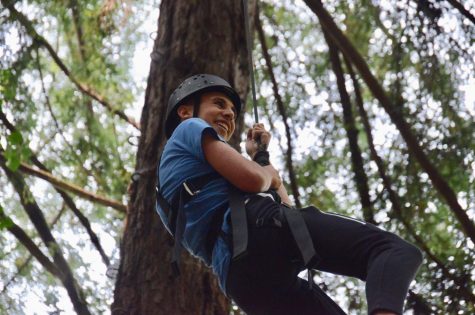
189 134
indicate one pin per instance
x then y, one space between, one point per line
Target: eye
220 103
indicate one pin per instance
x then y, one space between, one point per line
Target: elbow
255 183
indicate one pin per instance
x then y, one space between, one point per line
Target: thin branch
57 182
360 177
281 109
48 103
28 259
347 48
457 5
93 172
35 251
393 197
37 218
86 89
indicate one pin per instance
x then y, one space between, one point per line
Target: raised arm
244 174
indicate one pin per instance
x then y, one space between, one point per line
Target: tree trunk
193 37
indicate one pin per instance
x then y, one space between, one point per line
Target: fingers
259 134
249 134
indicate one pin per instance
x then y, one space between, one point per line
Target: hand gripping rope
294 218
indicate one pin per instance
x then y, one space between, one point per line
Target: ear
185 111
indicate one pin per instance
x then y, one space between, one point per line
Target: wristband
262 158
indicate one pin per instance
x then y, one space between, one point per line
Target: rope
249 59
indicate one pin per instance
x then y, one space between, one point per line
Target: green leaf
5 222
15 138
13 162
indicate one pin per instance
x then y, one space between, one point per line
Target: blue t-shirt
183 158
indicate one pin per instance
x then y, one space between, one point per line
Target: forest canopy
371 105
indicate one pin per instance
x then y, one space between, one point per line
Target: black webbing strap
238 221
301 235
176 214
299 231
178 232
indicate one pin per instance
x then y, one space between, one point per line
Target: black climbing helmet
193 86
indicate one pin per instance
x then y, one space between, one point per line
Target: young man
197 175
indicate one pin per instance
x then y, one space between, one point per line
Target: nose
228 112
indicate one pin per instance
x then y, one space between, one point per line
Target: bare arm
244 174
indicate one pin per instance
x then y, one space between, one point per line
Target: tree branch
360 177
36 216
412 142
81 86
67 199
281 109
26 241
72 188
28 259
394 198
457 5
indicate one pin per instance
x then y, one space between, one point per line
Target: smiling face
217 110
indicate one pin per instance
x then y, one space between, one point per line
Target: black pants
265 281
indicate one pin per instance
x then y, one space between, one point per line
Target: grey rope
249 59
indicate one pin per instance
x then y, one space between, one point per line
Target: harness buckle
189 190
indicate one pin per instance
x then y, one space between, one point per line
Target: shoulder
195 128
193 123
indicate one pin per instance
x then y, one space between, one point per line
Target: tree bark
194 37
440 184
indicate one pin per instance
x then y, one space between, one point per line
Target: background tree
193 38
70 139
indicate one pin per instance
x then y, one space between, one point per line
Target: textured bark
350 52
282 111
361 179
193 37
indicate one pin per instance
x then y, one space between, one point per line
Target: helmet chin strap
196 105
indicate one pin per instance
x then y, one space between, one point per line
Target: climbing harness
175 210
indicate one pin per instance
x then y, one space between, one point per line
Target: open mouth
223 126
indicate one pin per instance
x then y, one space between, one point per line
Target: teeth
223 126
